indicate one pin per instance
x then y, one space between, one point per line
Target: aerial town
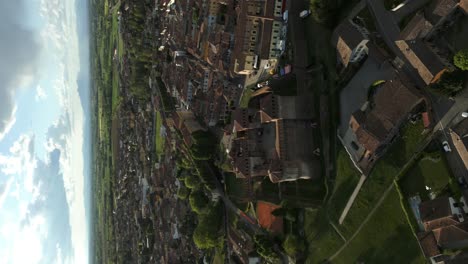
280 131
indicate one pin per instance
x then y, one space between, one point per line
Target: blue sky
44 132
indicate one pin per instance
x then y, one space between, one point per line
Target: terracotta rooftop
464 5
418 27
267 220
427 64
440 9
345 38
392 102
435 209
451 234
428 244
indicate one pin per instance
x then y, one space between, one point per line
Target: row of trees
207 232
140 51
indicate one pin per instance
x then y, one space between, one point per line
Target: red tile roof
267 220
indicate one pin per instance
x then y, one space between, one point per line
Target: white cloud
40 94
20 161
4 191
9 124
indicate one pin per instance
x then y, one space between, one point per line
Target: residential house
376 125
420 43
459 134
257 34
350 41
444 227
428 65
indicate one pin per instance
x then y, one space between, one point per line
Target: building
257 34
459 134
420 41
269 142
428 65
350 41
444 227
187 124
376 125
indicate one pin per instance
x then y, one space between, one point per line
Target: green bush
192 181
199 202
207 233
451 83
293 245
461 59
265 248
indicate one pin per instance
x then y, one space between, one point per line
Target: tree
192 181
293 245
183 192
265 247
461 59
199 202
324 11
206 234
451 83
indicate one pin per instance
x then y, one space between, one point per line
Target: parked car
446 146
304 13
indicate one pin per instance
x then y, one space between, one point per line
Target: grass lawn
159 140
431 170
218 257
382 176
386 238
347 177
244 101
322 239
300 193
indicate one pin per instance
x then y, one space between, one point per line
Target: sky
44 132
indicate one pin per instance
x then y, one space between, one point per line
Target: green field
322 239
431 170
386 170
105 101
386 238
347 177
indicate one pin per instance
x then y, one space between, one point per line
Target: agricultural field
386 233
324 240
107 50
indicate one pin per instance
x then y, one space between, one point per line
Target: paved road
390 32
387 191
352 198
450 118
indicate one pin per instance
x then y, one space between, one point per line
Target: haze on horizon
45 175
